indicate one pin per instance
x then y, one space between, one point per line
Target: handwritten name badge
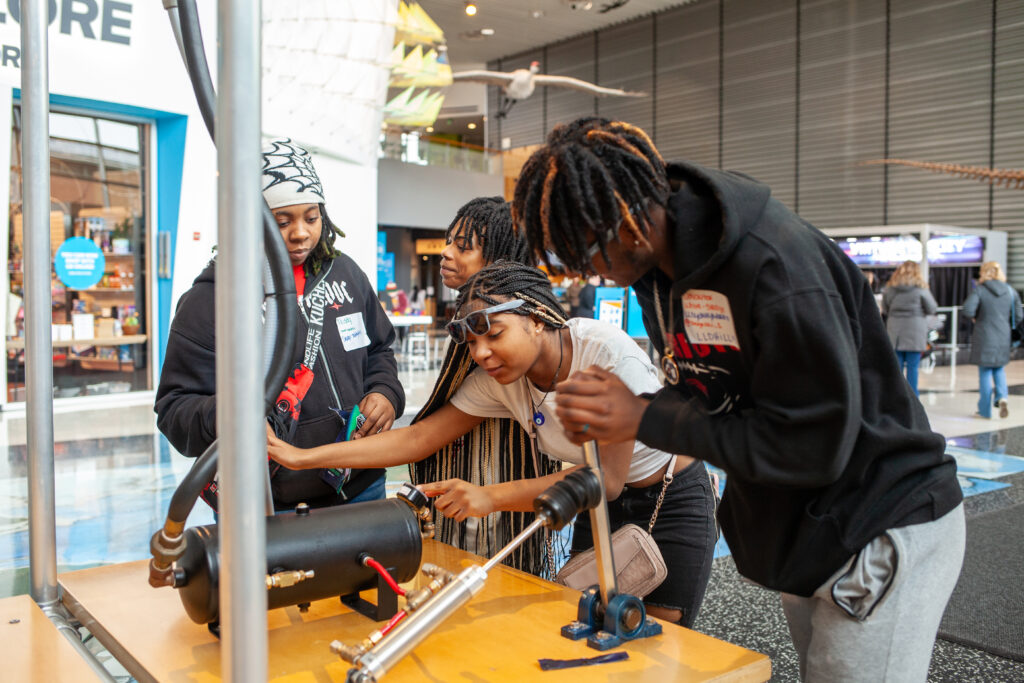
707 318
353 331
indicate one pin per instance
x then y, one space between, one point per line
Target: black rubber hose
277 253
205 466
195 58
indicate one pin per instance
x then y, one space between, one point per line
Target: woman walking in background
992 305
906 302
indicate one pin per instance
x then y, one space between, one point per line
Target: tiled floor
115 475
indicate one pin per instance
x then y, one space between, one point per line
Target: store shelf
104 290
19 342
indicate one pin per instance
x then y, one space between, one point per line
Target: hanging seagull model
520 84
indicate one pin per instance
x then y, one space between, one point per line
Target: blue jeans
986 377
909 362
375 491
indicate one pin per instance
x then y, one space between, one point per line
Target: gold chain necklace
668 361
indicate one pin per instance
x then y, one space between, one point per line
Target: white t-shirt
593 343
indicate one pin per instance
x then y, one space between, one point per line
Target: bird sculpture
1012 178
520 84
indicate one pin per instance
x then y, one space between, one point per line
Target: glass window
98 251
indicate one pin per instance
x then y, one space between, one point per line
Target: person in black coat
993 305
779 370
350 362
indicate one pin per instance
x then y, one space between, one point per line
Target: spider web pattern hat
288 175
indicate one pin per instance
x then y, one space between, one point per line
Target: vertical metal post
35 141
955 322
600 526
240 426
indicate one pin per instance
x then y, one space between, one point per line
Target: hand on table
458 499
594 404
379 413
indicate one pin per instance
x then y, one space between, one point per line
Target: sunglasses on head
594 248
478 322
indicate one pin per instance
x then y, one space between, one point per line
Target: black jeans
685 532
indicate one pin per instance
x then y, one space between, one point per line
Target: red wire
370 562
394 620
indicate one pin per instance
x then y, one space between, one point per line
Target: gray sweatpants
875 619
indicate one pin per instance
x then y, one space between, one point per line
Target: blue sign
635 318
608 305
79 263
385 271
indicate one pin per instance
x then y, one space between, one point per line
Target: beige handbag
639 566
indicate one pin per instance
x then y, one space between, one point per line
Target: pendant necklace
668 361
538 417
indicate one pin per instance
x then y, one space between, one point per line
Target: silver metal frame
240 425
601 527
35 96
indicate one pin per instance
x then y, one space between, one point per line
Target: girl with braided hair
779 370
514 328
497 449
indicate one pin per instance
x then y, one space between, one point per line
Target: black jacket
185 402
795 391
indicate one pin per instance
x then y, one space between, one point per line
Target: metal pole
240 425
35 141
600 526
952 363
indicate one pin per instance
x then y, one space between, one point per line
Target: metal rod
57 615
601 528
515 542
240 410
35 141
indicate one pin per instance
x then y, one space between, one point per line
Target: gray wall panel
1008 204
759 90
939 108
842 112
625 56
573 58
687 85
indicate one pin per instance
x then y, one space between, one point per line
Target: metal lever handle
601 528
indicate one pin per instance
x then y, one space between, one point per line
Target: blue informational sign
385 271
635 318
79 263
608 305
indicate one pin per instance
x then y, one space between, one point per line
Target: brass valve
286 579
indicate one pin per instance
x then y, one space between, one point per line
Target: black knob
302 509
412 495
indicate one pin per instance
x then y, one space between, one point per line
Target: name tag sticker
353 331
707 318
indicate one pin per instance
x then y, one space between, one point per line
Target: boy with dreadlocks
512 324
779 370
351 359
498 449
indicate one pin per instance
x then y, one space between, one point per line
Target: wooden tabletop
498 636
32 649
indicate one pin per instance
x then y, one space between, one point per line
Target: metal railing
949 338
412 148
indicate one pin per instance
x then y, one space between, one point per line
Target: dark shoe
1004 408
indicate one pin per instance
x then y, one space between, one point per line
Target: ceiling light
471 126
487 31
537 13
430 129
471 9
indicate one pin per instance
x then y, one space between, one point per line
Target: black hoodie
789 384
185 401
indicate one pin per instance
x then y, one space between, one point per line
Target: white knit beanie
288 175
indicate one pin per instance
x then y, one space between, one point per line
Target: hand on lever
458 499
594 404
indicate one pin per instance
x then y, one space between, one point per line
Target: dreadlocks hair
498 449
505 280
590 176
324 250
487 221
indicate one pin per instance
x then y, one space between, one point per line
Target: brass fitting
289 578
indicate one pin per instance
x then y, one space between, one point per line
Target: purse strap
666 480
